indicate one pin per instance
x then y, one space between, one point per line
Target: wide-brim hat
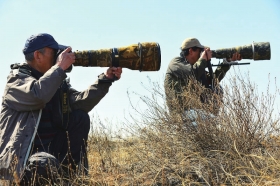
191 42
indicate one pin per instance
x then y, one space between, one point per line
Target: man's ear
190 51
37 55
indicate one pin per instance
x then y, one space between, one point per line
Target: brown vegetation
238 146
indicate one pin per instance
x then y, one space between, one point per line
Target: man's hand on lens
235 57
65 59
113 72
206 54
233 60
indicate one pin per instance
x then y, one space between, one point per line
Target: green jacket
22 103
178 74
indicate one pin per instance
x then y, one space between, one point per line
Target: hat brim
58 46
62 47
198 46
201 46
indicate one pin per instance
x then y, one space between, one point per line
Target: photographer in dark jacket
37 135
191 64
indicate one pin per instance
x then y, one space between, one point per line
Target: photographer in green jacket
190 65
37 136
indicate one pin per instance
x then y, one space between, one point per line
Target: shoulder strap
65 103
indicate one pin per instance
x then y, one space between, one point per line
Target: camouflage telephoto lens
144 56
255 51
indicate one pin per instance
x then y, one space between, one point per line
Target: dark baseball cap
36 42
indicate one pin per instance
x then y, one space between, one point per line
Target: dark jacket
22 103
178 74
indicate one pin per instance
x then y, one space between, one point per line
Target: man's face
194 55
47 59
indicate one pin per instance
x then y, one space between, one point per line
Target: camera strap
210 69
140 56
115 57
115 60
65 104
92 61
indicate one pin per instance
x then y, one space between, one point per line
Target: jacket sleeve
199 68
89 98
177 75
220 72
25 93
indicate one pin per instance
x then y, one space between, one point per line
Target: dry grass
239 146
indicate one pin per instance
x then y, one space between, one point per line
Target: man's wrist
102 78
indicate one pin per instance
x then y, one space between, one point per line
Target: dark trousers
66 154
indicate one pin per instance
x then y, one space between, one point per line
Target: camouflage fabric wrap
144 56
255 51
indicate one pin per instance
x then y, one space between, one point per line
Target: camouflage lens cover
261 51
144 56
256 51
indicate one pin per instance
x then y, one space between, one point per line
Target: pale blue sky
96 24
